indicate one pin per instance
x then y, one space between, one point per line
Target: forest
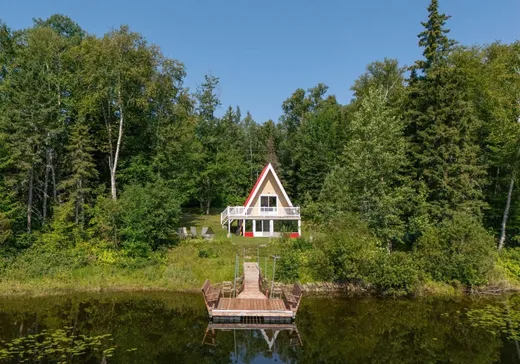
414 181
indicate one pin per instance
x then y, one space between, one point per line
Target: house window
268 204
262 226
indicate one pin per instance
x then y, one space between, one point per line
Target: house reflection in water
269 332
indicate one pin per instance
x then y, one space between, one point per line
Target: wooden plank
249 313
251 302
274 304
251 278
237 326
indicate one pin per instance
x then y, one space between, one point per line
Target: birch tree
502 70
116 74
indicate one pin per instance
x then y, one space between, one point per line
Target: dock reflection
269 332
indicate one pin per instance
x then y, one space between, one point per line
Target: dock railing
263 284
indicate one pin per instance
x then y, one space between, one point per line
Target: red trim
256 184
248 234
294 235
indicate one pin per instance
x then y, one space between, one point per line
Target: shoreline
35 290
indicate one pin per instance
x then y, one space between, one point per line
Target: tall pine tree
443 127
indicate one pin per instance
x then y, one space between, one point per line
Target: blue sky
263 50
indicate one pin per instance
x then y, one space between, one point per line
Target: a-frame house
267 211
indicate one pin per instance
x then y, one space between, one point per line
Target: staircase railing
224 215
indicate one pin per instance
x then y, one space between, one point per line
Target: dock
251 303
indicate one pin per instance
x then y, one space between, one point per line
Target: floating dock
249 302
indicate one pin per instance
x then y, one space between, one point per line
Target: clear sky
263 50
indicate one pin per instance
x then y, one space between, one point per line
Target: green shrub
395 274
289 266
40 261
349 249
136 249
510 260
457 250
148 213
208 253
344 250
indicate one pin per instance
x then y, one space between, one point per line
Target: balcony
275 213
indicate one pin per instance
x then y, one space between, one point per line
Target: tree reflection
167 327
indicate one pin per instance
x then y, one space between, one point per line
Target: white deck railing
238 212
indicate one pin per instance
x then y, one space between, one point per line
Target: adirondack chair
211 294
277 291
193 231
208 234
227 287
183 234
293 296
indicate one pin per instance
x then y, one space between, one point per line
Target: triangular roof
267 169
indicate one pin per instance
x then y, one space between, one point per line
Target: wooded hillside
100 141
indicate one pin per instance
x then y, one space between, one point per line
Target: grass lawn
183 267
215 260
192 217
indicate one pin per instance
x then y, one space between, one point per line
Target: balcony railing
237 212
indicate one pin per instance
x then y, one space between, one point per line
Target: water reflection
173 328
269 332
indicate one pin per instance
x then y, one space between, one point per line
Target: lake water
174 328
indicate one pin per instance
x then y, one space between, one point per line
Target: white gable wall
270 187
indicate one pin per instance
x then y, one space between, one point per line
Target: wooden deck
250 302
251 279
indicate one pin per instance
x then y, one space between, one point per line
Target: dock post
265 271
235 280
274 270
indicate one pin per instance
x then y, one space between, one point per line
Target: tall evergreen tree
207 104
76 187
32 118
252 146
434 38
443 126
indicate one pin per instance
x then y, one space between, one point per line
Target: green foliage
457 250
46 261
81 170
498 320
510 260
443 126
405 166
369 179
208 253
395 274
434 38
297 254
105 220
385 75
5 229
148 214
347 251
349 248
